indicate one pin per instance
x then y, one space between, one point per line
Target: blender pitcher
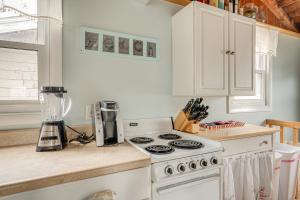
54 105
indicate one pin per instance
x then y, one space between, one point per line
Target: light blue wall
143 88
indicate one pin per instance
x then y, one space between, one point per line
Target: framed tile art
108 43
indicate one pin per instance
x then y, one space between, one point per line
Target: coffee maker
53 134
108 125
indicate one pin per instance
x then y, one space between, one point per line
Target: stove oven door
196 186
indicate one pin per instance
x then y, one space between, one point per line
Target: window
26 60
261 101
266 45
18 75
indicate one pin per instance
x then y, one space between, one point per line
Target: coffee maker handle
68 107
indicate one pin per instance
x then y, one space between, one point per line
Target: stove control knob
203 163
214 161
181 167
169 170
193 165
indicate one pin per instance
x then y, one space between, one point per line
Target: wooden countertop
246 131
23 169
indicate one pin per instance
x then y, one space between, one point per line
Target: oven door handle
187 183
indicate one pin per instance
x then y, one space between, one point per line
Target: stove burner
141 140
186 144
160 149
169 136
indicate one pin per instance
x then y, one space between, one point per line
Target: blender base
52 137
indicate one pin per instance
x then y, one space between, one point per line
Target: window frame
27 114
23 46
256 105
17 114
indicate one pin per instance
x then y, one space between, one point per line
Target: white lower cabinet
248 145
248 167
129 185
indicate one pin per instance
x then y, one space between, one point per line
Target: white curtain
248 177
29 21
266 40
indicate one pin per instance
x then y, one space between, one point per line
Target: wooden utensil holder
182 123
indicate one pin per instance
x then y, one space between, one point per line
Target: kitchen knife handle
172 120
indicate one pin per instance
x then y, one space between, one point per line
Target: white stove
180 161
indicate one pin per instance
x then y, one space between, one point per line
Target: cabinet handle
227 52
232 53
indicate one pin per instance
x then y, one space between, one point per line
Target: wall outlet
89 111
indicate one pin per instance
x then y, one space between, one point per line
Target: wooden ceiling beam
293 8
297 19
294 13
286 3
272 5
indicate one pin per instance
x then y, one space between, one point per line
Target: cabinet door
211 44
183 52
242 57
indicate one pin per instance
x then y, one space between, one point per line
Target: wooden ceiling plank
296 19
294 14
279 13
293 8
286 3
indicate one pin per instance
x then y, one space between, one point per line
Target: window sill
249 109
20 120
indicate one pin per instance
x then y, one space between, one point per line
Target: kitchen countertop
23 169
246 131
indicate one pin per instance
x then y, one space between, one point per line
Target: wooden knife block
182 123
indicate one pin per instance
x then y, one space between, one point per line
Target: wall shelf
281 30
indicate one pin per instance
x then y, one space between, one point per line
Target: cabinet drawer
261 143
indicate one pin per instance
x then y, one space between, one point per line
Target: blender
54 105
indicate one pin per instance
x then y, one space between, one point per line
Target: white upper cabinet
183 52
242 56
210 45
202 53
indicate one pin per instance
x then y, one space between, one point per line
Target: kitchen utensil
54 108
181 118
190 116
188 106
